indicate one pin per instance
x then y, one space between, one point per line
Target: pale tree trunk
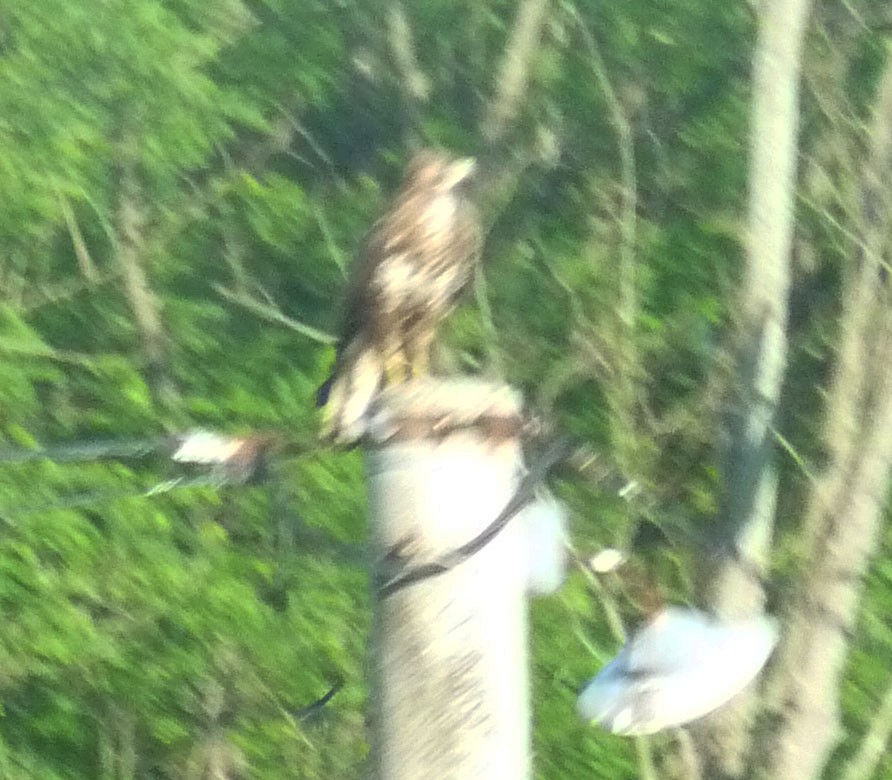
846 503
130 256
733 587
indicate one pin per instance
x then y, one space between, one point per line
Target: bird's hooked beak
459 171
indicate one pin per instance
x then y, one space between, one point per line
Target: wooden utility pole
449 670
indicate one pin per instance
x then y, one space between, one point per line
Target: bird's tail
347 395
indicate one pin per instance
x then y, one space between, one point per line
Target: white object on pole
545 522
449 665
607 560
679 667
206 447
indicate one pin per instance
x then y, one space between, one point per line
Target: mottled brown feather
413 264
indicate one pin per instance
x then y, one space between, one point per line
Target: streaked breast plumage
414 262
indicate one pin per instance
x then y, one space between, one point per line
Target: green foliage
262 139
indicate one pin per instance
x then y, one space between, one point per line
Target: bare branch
313 143
514 70
271 313
849 385
628 216
48 295
130 256
88 268
414 82
233 255
341 258
764 294
625 397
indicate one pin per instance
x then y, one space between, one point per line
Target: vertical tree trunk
846 506
847 500
734 588
762 345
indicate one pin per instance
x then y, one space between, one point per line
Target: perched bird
414 262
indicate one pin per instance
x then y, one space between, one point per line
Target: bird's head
437 170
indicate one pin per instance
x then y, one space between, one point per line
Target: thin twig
314 145
788 447
87 266
93 497
341 259
35 299
482 300
605 598
43 351
628 221
271 313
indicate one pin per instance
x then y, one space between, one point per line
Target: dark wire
525 493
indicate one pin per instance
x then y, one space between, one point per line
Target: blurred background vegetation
184 183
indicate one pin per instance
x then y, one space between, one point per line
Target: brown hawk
413 264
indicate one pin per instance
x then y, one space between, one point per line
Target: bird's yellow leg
410 359
421 364
418 356
397 369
